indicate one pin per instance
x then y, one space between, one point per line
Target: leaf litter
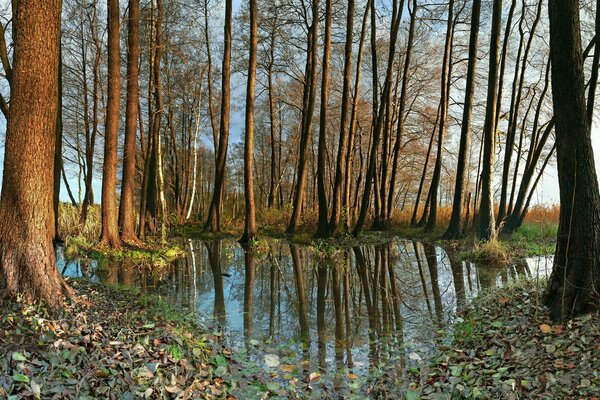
109 343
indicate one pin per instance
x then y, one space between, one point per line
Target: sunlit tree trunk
58 158
250 215
444 96
213 223
310 87
487 226
401 110
110 228
348 208
126 216
341 160
323 223
27 258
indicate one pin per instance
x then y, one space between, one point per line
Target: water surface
353 310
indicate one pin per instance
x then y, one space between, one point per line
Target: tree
308 107
58 160
487 226
110 229
453 231
250 218
575 280
444 97
126 217
323 223
397 8
213 223
27 258
341 161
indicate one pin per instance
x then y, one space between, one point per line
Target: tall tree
27 258
58 157
487 226
158 113
110 229
126 216
397 8
575 280
343 140
453 231
250 217
444 100
308 107
401 109
213 222
323 223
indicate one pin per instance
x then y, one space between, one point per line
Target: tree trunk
110 228
594 74
213 222
126 216
158 101
444 96
575 280
341 160
58 159
250 216
310 87
27 259
385 98
401 110
487 226
323 223
515 107
453 231
353 123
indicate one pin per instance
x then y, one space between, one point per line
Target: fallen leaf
545 328
272 360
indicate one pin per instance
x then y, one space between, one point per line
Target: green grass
534 239
153 254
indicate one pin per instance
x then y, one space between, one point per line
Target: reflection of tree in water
215 267
248 286
432 264
300 293
456 264
422 277
321 294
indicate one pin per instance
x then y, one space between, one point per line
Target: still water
356 309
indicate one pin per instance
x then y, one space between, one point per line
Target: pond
324 314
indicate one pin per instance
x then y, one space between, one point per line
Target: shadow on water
354 311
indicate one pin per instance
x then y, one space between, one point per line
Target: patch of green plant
491 252
534 239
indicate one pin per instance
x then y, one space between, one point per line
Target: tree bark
575 280
310 87
444 96
58 159
213 222
27 258
323 223
126 216
110 228
487 226
401 110
453 231
250 216
341 159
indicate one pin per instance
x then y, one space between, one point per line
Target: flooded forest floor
384 317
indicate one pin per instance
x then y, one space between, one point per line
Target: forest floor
506 347
110 343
